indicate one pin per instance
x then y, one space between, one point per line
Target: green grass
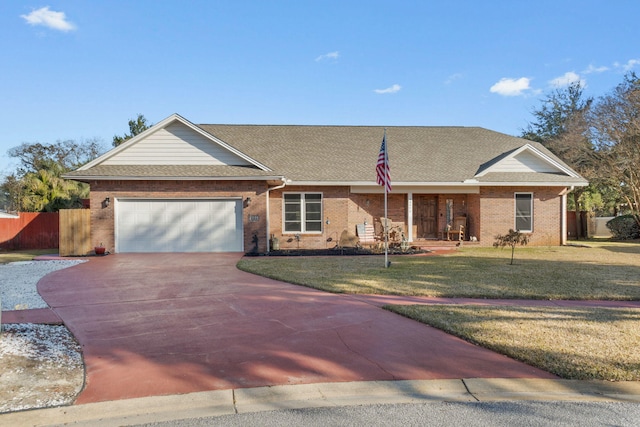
605 270
573 343
13 256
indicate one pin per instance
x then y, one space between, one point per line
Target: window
524 212
303 213
449 210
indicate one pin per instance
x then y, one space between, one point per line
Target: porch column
410 217
563 231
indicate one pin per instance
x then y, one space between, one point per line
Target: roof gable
174 141
526 159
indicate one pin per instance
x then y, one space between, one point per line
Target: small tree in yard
512 238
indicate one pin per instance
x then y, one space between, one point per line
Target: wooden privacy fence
75 232
29 230
573 229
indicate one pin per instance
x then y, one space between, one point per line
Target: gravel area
40 365
18 282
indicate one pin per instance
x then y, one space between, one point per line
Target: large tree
136 126
37 185
562 126
616 132
556 112
68 155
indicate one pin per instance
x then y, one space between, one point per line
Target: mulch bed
341 251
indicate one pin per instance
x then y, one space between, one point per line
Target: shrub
512 238
624 227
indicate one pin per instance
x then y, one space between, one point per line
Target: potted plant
100 249
404 243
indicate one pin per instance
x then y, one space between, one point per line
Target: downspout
410 217
268 221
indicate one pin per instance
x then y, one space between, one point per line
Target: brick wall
335 212
473 216
497 214
341 209
489 213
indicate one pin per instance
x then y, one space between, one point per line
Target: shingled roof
417 154
346 155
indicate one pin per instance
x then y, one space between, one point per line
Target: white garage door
178 225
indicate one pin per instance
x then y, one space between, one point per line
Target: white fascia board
535 184
393 183
162 124
528 147
397 188
172 178
368 187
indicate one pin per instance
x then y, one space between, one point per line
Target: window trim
515 210
303 214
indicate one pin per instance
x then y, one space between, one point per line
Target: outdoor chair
458 229
367 235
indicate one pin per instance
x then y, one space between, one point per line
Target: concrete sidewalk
238 401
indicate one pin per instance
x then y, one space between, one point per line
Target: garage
178 225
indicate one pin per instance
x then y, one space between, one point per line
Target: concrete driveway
158 324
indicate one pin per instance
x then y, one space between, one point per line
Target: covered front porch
425 216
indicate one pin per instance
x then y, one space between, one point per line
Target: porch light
105 202
247 202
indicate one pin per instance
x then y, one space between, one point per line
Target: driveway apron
158 324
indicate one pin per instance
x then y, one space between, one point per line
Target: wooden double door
425 216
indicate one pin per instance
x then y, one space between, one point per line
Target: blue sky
81 69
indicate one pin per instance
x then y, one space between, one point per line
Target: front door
425 216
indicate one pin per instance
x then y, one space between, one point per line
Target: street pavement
610 400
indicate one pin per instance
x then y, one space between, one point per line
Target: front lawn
573 343
26 255
604 270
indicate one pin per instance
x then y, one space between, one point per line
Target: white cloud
49 18
567 79
631 64
452 78
331 55
392 89
511 87
593 69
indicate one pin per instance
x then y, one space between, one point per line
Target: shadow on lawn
629 247
576 343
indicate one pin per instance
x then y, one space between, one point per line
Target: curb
239 401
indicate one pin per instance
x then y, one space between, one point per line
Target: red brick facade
497 216
488 213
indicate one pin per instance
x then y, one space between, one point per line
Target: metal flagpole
386 218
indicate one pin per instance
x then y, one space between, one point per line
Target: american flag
383 176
